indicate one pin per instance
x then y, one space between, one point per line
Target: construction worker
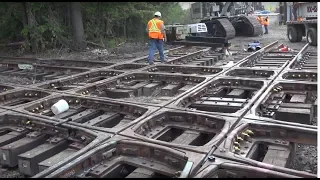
157 36
266 24
260 19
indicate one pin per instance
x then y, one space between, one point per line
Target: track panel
203 114
228 96
77 81
186 130
107 116
153 88
123 157
267 145
29 143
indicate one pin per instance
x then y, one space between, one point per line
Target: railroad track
304 68
79 80
195 116
38 74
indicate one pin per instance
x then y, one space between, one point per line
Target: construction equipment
179 32
176 32
218 25
304 23
220 22
226 19
193 35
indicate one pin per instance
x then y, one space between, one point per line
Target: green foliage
102 21
11 19
172 13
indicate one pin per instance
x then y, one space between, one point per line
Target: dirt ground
132 50
305 159
118 54
306 156
13 173
15 80
276 33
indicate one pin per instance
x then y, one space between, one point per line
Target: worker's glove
165 39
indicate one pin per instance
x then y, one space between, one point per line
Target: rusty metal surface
22 136
251 141
128 66
303 68
101 115
191 70
159 87
191 117
38 74
265 74
121 156
217 167
269 58
225 96
186 130
79 80
19 97
5 88
279 103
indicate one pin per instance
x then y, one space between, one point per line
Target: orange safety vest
154 27
266 22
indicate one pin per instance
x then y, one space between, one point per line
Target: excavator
222 19
226 19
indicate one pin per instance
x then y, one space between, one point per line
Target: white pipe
60 107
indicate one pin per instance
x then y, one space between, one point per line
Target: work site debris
60 107
283 48
100 52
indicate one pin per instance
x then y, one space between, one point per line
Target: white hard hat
157 14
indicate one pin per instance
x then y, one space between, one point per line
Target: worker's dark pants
153 44
266 29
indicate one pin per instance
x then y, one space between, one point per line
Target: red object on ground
284 49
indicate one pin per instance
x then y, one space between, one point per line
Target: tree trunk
30 22
77 26
124 29
68 15
105 29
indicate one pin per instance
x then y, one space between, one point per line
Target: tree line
42 25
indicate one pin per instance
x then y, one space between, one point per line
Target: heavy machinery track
220 27
229 27
196 116
246 26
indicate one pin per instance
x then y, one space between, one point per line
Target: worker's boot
151 63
